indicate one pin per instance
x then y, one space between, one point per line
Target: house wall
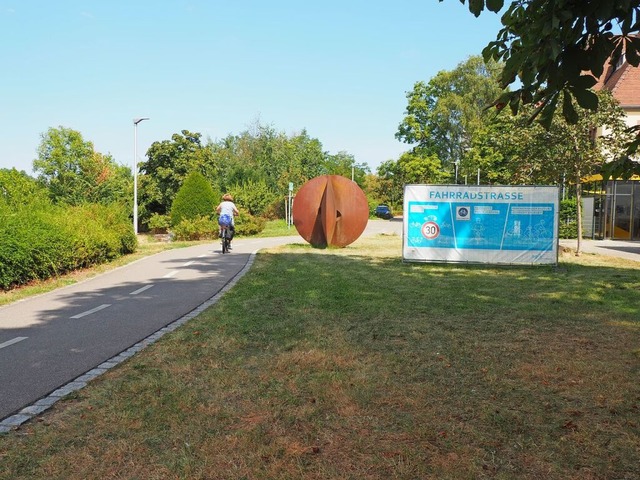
631 120
633 116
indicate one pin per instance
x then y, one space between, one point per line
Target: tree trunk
579 213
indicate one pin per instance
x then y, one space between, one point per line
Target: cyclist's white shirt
227 208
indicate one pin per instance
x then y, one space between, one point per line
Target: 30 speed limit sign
430 230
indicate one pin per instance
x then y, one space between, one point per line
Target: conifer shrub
194 199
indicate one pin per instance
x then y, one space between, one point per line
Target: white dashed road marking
12 341
140 290
93 310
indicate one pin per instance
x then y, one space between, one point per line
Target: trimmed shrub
568 230
199 228
31 248
276 209
39 241
194 199
568 219
247 224
159 223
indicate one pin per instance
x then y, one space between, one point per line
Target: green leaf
621 168
568 110
495 5
547 110
476 7
627 22
632 54
583 82
586 98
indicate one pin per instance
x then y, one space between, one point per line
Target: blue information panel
502 224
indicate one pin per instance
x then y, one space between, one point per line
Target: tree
262 154
443 115
490 152
168 164
254 196
389 188
17 189
561 47
343 163
564 150
74 173
195 198
412 167
257 165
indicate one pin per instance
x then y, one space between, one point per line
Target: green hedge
247 224
40 241
204 228
568 216
199 228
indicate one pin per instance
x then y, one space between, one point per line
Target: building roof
623 82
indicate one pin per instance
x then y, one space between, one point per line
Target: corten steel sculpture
330 210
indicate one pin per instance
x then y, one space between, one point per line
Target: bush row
206 227
42 240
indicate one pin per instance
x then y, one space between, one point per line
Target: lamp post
136 121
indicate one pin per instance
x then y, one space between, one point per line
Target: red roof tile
623 82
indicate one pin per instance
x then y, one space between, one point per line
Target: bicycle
225 239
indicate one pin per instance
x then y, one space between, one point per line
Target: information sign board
481 224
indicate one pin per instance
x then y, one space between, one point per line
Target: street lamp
136 121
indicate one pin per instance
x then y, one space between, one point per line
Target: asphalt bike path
52 339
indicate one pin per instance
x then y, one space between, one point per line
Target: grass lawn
349 364
278 228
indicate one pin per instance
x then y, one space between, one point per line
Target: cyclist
227 210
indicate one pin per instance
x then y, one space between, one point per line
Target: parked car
383 211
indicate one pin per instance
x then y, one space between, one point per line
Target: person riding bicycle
227 210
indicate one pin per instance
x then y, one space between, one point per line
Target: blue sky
339 69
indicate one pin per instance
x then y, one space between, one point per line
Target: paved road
626 249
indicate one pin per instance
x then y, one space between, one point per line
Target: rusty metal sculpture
330 210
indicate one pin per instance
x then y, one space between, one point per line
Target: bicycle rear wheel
225 241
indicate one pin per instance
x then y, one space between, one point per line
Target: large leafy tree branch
557 49
565 151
